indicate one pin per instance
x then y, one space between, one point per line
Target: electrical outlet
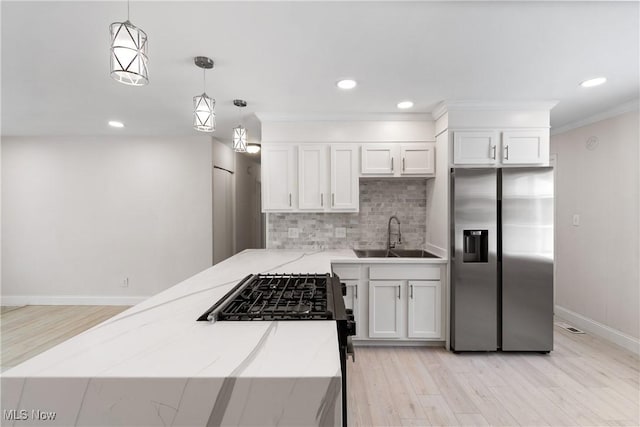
125 283
576 220
293 233
341 232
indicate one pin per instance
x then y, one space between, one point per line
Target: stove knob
344 289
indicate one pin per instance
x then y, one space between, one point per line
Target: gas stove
289 297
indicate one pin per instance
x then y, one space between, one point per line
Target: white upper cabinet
417 159
345 186
312 173
279 189
525 147
475 147
516 147
310 178
394 160
378 159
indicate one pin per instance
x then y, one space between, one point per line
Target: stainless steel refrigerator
502 259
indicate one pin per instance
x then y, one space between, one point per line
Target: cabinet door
344 178
424 315
525 147
417 159
351 301
278 178
312 173
475 147
385 309
378 159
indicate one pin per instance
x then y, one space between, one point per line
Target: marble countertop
160 337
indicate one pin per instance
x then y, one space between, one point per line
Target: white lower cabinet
351 302
385 309
394 302
423 309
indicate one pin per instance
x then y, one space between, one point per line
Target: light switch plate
293 233
341 232
576 220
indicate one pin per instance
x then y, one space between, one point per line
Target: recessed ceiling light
593 82
116 124
405 104
347 84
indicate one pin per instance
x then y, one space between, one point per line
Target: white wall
82 214
597 278
419 130
437 239
248 217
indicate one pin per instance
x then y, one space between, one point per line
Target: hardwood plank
438 411
472 420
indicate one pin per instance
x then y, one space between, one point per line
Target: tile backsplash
379 199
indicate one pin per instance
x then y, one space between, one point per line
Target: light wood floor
584 382
32 329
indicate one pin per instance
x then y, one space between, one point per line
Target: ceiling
285 57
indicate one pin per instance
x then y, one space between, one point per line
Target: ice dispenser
476 246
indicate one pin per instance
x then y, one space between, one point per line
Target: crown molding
346 117
627 107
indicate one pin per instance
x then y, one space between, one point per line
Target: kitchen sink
393 253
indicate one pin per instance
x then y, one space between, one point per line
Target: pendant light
129 60
204 118
240 132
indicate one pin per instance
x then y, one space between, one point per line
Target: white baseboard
588 325
18 300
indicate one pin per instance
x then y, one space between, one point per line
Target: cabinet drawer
347 271
404 272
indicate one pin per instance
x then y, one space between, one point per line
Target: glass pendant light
129 60
240 132
204 118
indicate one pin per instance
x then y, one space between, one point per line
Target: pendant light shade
239 139
129 60
204 116
253 148
240 132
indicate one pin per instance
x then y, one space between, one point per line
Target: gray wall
597 262
81 214
379 199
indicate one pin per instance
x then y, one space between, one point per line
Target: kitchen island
153 364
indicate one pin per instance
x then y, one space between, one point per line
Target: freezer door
527 259
474 266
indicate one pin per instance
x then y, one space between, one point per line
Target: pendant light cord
127 10
204 80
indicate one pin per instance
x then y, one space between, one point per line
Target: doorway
222 214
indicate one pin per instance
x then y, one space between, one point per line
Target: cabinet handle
289 199
333 199
392 164
494 152
403 164
355 291
398 291
506 151
411 288
321 199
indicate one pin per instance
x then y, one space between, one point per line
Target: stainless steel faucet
399 241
